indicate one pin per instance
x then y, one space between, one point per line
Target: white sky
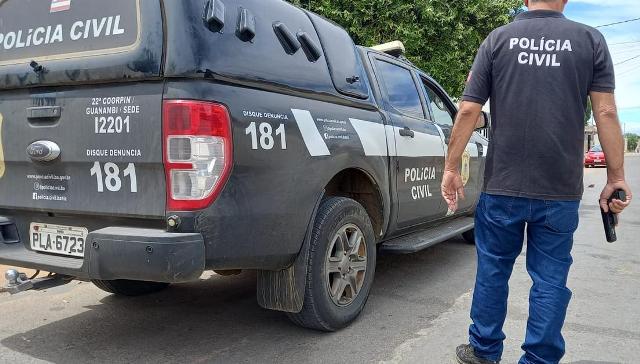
598 12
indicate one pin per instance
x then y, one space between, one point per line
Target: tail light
197 152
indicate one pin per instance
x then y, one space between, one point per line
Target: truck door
419 150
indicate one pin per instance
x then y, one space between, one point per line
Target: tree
441 36
632 141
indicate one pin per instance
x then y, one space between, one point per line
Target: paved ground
417 313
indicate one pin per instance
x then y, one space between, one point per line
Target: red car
595 157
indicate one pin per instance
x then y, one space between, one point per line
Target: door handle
44 112
43 115
406 132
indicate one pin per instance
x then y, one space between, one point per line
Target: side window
401 89
441 114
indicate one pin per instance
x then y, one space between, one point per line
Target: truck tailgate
91 150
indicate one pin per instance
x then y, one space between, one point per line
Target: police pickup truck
143 142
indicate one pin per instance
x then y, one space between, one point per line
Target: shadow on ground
218 319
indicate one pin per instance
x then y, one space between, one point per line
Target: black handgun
609 219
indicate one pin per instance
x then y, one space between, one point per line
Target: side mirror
484 121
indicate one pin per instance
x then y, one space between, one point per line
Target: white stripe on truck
421 145
378 140
372 136
310 134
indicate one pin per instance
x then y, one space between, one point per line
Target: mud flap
283 290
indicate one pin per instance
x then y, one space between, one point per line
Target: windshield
596 149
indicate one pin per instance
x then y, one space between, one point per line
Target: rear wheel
340 268
469 236
130 288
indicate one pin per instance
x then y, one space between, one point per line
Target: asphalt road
417 313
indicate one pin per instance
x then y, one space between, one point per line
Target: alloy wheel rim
346 265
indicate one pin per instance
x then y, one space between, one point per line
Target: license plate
598 160
56 239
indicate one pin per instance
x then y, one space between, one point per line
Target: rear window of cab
59 29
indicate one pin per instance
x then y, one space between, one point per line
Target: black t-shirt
538 72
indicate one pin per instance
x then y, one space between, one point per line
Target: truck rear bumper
120 253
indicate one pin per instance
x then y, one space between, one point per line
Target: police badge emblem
465 170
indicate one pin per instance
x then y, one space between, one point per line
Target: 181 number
266 139
111 179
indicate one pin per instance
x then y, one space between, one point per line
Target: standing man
538 72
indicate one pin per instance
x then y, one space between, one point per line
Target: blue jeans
501 222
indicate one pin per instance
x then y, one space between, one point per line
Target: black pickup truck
143 142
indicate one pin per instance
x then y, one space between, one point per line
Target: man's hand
452 186
452 189
616 206
605 112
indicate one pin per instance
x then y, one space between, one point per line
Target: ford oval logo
43 151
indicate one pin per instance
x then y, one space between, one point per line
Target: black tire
320 311
130 288
469 236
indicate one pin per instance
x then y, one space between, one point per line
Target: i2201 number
112 125
111 177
